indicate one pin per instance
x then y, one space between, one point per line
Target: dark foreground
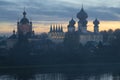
61 72
64 68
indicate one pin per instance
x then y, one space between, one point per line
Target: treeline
24 53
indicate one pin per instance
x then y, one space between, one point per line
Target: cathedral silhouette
83 34
56 34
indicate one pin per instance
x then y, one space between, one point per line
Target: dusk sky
45 12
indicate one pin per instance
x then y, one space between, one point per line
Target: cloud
58 10
104 13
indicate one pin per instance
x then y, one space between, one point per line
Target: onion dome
72 22
82 14
24 13
96 22
13 36
51 28
13 31
24 20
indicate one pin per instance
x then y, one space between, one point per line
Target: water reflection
62 76
50 76
6 77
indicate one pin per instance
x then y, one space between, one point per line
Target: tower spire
51 28
56 28
24 8
61 30
24 13
82 6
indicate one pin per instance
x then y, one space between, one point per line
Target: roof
13 37
82 14
24 20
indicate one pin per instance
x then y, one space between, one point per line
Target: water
62 76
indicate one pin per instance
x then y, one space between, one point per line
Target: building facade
24 32
81 33
85 35
56 34
24 27
71 39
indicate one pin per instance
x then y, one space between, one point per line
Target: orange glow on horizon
104 25
6 27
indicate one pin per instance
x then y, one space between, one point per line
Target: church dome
72 21
96 21
82 14
24 20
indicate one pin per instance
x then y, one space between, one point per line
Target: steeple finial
24 13
51 28
24 8
72 18
18 19
82 7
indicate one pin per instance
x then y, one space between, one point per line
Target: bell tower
71 27
82 23
24 26
96 26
